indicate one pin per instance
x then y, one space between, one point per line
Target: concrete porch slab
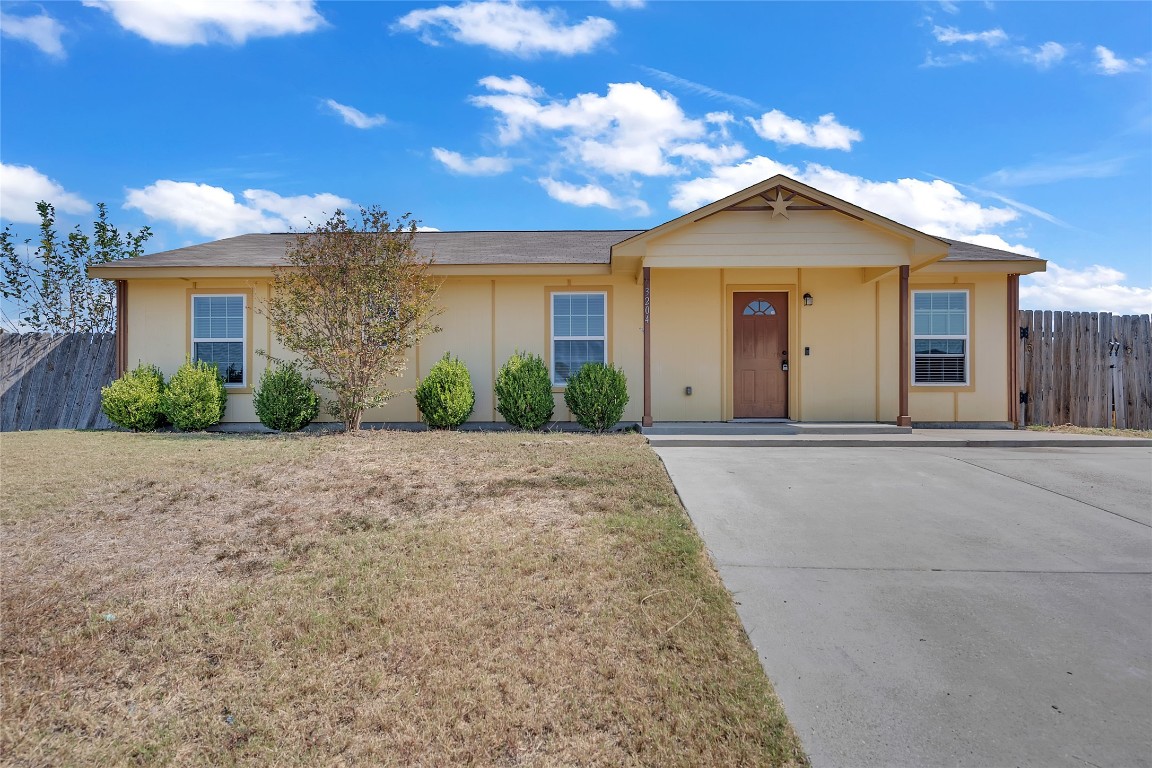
721 436
771 427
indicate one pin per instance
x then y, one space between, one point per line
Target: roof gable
781 196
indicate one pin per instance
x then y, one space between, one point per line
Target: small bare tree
352 300
49 285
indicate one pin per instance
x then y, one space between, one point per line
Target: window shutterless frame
941 338
579 332
220 334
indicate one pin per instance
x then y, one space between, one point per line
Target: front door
760 355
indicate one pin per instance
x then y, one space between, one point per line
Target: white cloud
1107 63
710 154
215 212
726 179
701 89
1022 207
589 195
1046 56
508 27
22 186
355 117
1050 171
476 166
947 60
515 85
1094 289
951 36
826 133
632 129
427 229
935 207
42 31
299 211
199 22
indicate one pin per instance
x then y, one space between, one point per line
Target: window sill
942 388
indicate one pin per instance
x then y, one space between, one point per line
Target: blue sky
1018 125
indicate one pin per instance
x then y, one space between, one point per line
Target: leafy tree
50 285
351 300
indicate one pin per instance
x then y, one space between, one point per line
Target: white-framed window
579 332
940 341
219 328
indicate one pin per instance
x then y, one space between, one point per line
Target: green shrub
195 397
284 401
445 396
133 400
524 392
596 395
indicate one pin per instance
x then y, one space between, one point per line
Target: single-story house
776 302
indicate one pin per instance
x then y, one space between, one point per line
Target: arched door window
759 307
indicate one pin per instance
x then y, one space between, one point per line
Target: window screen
940 337
579 332
218 334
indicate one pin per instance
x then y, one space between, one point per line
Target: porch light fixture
807 299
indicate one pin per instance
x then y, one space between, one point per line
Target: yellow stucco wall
850 374
851 334
986 396
484 322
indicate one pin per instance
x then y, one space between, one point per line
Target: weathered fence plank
1119 374
1140 379
102 371
53 381
1092 369
1024 362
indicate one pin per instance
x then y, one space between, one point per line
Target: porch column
1014 350
647 422
903 419
121 327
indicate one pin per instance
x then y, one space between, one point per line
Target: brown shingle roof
460 248
958 250
551 247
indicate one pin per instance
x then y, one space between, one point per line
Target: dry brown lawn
397 599
1075 430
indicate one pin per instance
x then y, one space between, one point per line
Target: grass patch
386 599
1072 429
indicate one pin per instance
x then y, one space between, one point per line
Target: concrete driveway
941 606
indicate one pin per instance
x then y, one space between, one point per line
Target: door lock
784 366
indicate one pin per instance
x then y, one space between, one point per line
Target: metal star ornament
779 205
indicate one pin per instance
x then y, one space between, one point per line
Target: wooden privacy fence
1092 369
52 381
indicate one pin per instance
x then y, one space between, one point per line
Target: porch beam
903 418
121 327
790 208
647 347
1013 351
871 274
